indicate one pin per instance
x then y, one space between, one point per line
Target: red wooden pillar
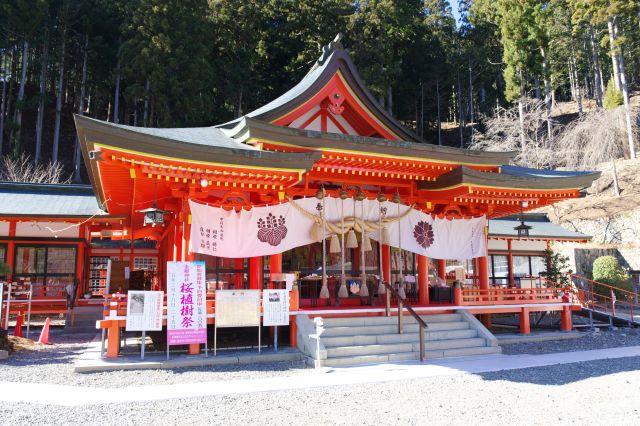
423 280
386 263
525 324
80 258
255 272
510 264
483 272
355 261
275 265
442 268
238 264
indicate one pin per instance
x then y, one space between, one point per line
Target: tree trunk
536 87
625 96
116 95
20 99
547 98
3 104
438 104
237 111
616 188
613 51
596 67
390 100
572 82
523 142
145 114
43 88
460 124
60 94
470 101
83 88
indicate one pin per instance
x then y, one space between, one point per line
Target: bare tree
22 169
524 129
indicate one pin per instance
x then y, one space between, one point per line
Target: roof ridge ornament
327 50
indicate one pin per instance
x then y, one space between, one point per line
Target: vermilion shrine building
328 133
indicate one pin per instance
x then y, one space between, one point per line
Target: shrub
557 268
613 97
607 270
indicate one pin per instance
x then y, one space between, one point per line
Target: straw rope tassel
324 291
401 291
381 288
364 292
342 292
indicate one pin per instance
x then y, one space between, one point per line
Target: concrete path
82 396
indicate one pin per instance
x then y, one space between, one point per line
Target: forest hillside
499 77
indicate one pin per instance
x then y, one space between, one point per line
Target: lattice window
145 263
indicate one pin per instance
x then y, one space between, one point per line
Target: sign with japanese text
144 310
275 307
186 303
237 308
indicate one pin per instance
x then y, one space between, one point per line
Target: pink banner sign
186 303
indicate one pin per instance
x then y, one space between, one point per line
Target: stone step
388 329
406 337
368 349
383 320
344 351
407 356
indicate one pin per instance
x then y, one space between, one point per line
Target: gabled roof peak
335 44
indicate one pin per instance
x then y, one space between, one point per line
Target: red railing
512 296
593 295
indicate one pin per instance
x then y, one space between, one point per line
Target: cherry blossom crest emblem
423 233
271 230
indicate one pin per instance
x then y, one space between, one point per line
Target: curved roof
512 177
334 58
540 229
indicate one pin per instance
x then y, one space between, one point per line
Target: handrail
422 326
605 303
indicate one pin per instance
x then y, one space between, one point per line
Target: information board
144 310
275 307
237 308
186 303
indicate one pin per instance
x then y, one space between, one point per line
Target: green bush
612 98
607 270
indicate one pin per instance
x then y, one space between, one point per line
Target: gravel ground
601 391
599 339
54 363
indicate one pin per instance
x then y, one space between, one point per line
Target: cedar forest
504 66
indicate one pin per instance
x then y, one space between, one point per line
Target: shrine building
372 204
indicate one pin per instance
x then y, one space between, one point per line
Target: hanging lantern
523 230
366 243
352 241
334 245
153 216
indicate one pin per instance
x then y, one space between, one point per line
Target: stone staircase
363 340
85 320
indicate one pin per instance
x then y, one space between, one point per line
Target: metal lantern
396 198
523 230
153 216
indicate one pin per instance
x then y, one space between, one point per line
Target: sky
454 9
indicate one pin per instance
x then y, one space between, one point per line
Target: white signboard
237 308
275 306
144 310
186 303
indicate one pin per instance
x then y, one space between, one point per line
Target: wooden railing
422 326
605 298
511 296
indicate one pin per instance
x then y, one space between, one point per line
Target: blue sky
454 9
